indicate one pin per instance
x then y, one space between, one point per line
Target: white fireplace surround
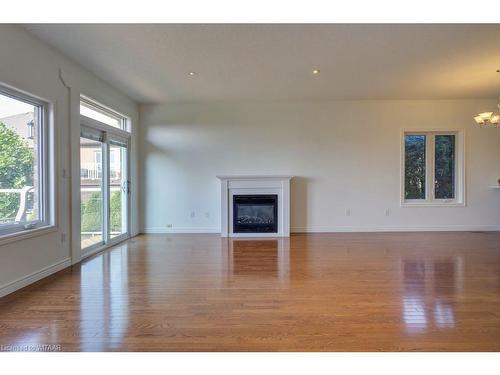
255 185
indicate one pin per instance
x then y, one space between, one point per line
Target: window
415 167
432 168
97 112
91 191
104 185
24 169
118 186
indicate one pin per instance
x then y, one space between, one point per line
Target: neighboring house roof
20 124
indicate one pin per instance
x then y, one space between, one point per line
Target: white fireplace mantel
255 184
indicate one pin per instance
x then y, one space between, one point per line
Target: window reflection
443 315
428 289
104 301
444 288
413 302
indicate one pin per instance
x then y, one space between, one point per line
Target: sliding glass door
91 191
104 188
118 186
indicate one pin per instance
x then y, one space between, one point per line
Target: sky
89 112
10 107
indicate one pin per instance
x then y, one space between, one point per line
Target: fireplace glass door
255 213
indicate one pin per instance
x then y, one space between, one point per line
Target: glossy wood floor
317 292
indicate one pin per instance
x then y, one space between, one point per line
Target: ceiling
150 63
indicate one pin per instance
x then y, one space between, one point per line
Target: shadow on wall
298 203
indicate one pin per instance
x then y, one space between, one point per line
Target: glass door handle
126 187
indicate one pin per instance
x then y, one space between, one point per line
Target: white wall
32 66
345 154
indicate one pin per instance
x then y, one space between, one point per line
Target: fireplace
255 213
255 205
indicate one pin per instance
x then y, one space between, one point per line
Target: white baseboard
193 230
415 228
35 276
340 229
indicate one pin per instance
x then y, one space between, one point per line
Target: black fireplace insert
255 213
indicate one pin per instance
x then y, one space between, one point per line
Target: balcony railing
23 203
92 171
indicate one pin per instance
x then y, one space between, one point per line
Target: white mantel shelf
495 187
232 185
255 177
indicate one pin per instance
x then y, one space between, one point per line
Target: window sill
432 204
25 234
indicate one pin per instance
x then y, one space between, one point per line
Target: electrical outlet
192 214
63 237
169 225
207 214
348 212
387 212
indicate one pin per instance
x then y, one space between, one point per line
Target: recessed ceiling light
191 74
315 72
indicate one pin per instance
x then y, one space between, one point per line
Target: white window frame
125 127
45 169
108 134
430 200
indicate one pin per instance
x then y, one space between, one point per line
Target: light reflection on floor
104 300
444 316
310 292
424 302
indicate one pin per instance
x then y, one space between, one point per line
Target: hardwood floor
315 292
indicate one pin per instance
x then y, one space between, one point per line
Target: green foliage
415 167
445 167
16 169
92 212
116 211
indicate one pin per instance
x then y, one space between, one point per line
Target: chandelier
488 118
